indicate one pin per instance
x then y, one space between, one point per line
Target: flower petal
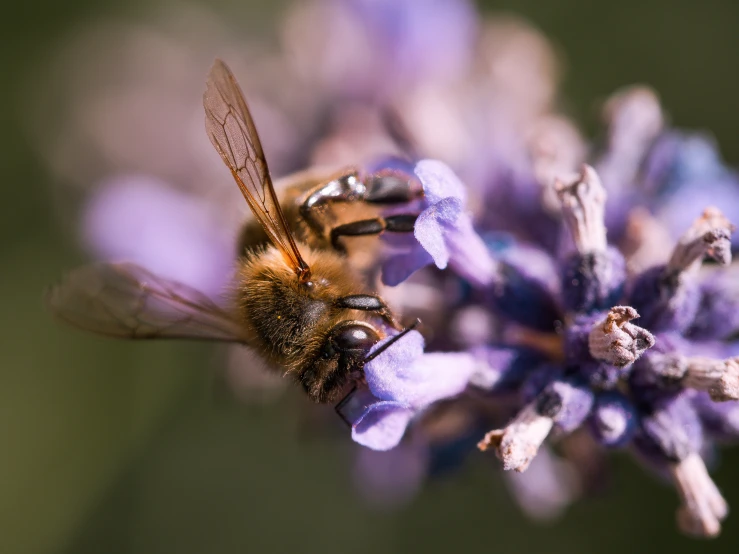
432 226
398 267
439 182
403 373
382 425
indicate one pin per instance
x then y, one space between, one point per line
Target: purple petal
470 257
382 425
443 230
432 226
402 353
398 267
440 182
402 373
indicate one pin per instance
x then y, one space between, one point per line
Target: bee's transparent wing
125 300
231 129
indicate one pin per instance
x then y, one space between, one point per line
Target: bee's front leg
398 223
369 303
391 188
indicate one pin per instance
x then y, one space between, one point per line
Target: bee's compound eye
355 337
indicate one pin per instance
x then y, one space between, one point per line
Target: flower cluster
567 290
642 361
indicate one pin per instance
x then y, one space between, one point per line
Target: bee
296 299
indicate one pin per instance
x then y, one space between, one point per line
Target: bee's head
343 352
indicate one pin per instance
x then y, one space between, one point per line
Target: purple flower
143 220
416 38
628 364
443 231
402 381
386 46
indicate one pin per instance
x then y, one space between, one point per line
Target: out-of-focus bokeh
118 447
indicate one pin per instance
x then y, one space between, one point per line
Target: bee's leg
369 303
345 188
391 188
380 188
399 223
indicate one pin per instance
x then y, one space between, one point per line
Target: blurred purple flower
143 220
386 45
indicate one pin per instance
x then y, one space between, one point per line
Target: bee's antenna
393 340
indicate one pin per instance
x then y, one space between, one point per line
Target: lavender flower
626 368
142 220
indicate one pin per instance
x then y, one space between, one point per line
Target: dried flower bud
616 341
518 443
562 403
710 235
667 296
703 508
720 378
583 209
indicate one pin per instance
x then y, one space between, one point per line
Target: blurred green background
132 448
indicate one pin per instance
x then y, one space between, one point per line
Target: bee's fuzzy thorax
287 321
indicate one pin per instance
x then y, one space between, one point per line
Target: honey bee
296 298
